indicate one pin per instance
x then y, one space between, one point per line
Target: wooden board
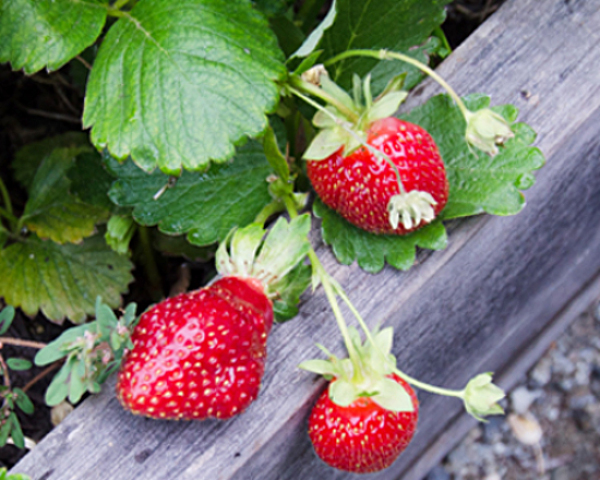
474 307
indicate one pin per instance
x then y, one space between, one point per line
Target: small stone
522 398
59 412
542 373
438 473
525 428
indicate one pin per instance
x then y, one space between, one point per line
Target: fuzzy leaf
59 347
47 33
29 158
479 183
16 433
205 205
51 211
178 84
62 280
6 318
59 387
350 243
391 24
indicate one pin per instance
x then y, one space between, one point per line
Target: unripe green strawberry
362 437
202 354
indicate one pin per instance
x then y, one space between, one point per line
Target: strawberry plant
205 121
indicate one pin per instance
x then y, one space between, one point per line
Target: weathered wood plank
468 309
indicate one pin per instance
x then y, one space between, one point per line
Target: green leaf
478 183
77 384
29 158
6 318
289 289
16 433
18 363
351 243
62 280
59 387
272 7
179 246
58 348
90 181
274 156
105 318
23 401
205 205
314 38
5 431
178 84
51 211
395 25
47 33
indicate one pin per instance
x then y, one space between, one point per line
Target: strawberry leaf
371 251
178 84
51 211
390 24
479 183
90 182
47 33
62 280
204 205
28 159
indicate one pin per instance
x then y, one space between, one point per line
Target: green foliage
350 243
176 85
91 351
478 183
390 24
13 476
206 206
51 212
18 363
47 33
62 280
7 315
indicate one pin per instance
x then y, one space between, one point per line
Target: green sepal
284 247
288 290
481 397
342 392
392 396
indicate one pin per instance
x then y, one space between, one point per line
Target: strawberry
382 174
359 186
368 414
362 437
202 354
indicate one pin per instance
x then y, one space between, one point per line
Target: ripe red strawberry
362 437
360 186
202 354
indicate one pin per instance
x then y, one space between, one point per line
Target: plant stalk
387 55
21 343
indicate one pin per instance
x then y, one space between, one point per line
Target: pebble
521 399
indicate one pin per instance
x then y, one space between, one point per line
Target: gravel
561 394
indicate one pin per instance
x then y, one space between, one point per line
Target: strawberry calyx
366 375
274 260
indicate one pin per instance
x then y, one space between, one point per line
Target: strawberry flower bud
486 129
481 397
411 208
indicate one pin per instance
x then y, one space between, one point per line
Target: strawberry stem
330 293
315 91
387 55
429 388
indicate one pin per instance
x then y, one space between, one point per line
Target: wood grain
474 307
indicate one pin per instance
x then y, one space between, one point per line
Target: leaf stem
387 55
21 343
119 4
5 374
329 291
298 84
341 123
429 388
149 262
